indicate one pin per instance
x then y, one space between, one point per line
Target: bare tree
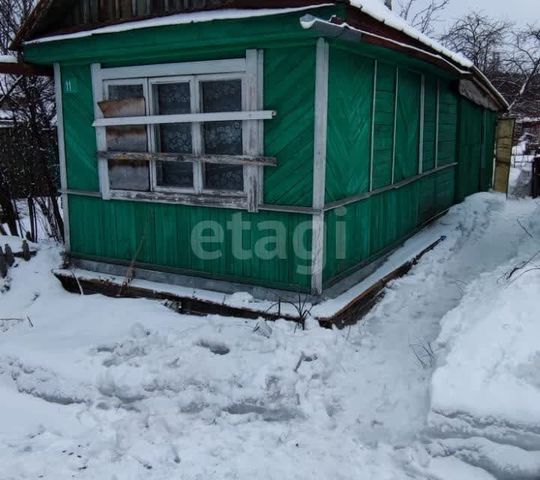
422 14
508 56
523 71
28 162
480 38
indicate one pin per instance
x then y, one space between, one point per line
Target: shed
277 144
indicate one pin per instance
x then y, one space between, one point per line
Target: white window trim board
101 138
207 67
422 124
184 118
373 113
319 164
62 153
394 139
437 123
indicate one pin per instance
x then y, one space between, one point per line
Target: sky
519 11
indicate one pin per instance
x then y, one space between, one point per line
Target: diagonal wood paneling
289 76
349 124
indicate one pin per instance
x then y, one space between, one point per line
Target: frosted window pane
129 175
121 92
223 138
175 138
222 96
173 98
174 174
223 177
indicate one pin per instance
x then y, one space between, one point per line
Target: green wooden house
280 144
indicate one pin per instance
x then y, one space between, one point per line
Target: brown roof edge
26 69
389 37
31 21
485 84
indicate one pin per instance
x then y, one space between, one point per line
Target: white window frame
249 70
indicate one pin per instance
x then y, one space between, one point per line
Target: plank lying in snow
344 309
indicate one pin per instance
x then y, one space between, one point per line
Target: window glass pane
128 138
174 174
121 92
175 138
172 98
129 175
222 96
223 177
223 138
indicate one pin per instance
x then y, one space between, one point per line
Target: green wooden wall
289 136
162 234
476 149
404 124
350 104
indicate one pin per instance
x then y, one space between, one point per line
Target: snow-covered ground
440 381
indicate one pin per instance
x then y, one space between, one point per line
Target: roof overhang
474 85
368 22
26 69
38 23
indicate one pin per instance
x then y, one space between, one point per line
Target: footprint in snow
216 348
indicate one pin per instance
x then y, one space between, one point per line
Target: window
187 133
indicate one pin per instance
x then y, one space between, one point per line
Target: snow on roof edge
378 11
374 8
308 21
176 19
8 59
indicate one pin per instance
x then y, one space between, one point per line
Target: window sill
222 199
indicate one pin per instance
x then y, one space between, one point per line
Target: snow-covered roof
377 10
177 19
420 44
529 120
8 59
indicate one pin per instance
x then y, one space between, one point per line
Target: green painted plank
289 136
430 123
349 125
384 125
408 126
81 149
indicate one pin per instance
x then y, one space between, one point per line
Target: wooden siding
407 126
385 105
421 144
476 149
289 136
448 125
430 124
379 223
81 149
88 12
349 125
117 230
